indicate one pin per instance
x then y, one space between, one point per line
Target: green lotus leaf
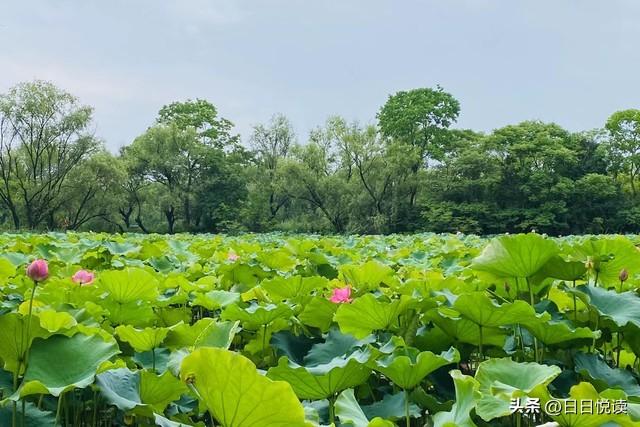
165 422
574 418
560 269
13 327
322 381
204 333
143 391
336 344
213 300
282 288
600 374
367 276
59 363
351 414
255 316
467 394
391 407
7 268
121 388
520 255
129 285
236 395
503 379
559 333
160 390
142 339
277 259
318 313
486 312
54 321
620 308
610 255
407 366
133 313
466 331
367 314
33 416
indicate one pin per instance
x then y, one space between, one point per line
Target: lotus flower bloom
341 295
38 270
83 277
233 256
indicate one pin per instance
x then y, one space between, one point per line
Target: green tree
624 144
44 134
203 117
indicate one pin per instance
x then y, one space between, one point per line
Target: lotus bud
624 275
83 277
233 257
38 270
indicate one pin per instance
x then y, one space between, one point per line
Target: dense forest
411 171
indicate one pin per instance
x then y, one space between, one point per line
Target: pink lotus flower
38 270
83 277
233 257
341 295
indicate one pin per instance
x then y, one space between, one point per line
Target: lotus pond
279 330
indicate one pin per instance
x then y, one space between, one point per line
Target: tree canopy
410 171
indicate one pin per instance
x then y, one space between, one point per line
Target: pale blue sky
572 62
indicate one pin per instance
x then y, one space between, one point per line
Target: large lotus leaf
54 321
335 345
568 417
467 395
59 363
13 335
611 255
391 407
322 381
484 311
560 333
140 390
282 288
33 416
129 285
204 333
277 259
237 395
142 339
620 308
407 366
216 299
257 315
503 379
599 373
135 313
466 331
520 255
367 276
318 313
351 414
560 269
367 314
121 388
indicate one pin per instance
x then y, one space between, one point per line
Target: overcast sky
572 62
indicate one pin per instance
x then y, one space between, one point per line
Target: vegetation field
303 330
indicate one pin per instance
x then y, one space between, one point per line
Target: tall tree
202 116
271 144
624 143
44 134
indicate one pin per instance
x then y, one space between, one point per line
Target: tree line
410 171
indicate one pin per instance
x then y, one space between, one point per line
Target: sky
567 61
